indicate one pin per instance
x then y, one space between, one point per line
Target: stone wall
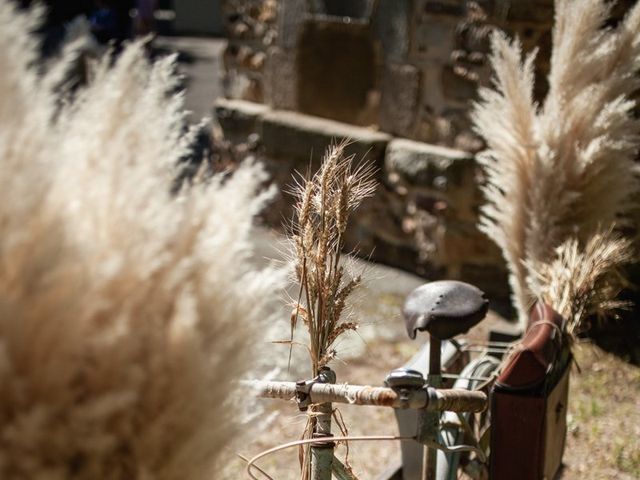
251 30
407 67
423 216
411 68
408 70
436 57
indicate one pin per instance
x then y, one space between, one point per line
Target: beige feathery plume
562 170
125 313
584 281
506 119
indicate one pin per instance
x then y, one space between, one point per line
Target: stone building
398 78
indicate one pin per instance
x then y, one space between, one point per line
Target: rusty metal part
303 387
457 400
429 398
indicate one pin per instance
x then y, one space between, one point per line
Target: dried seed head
340 329
324 204
299 312
342 208
304 208
583 280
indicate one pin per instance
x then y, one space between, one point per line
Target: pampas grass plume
562 170
125 312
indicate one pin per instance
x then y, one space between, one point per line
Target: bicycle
444 431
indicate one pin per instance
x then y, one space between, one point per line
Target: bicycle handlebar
456 400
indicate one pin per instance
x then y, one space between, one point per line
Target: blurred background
281 79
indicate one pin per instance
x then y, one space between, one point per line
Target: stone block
363 237
422 164
291 14
457 86
432 97
281 79
297 138
450 8
434 38
474 37
392 26
400 99
238 118
464 244
375 218
540 12
336 69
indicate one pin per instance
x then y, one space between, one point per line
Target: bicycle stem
321 452
429 419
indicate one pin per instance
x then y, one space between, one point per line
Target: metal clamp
404 381
303 387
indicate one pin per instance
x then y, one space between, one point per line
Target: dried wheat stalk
560 171
584 281
324 204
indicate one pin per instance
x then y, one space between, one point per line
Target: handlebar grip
456 400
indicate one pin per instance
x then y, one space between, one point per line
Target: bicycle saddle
444 308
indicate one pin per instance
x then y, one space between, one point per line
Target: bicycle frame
412 394
408 391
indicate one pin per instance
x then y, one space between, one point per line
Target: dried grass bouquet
324 204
